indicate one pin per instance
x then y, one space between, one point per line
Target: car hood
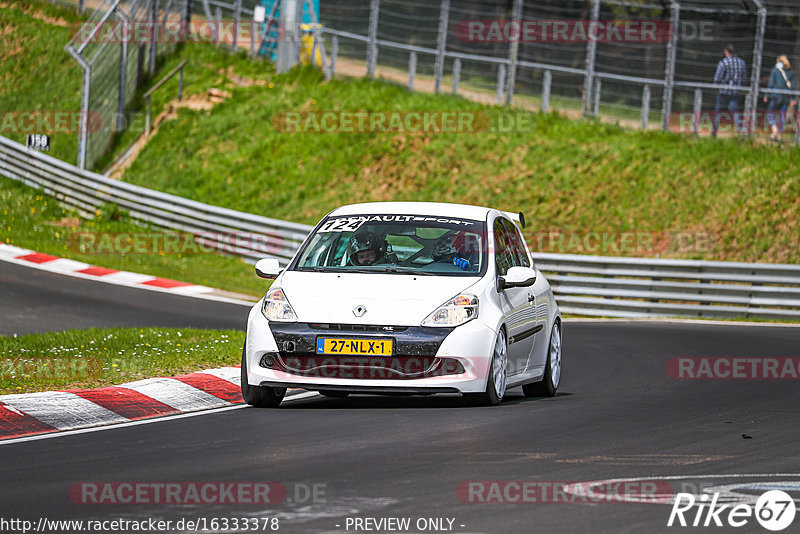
390 299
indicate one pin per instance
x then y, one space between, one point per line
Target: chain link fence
639 62
114 65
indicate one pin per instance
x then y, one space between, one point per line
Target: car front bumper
454 360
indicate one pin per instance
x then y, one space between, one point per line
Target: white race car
405 298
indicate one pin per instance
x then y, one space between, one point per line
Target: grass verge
97 357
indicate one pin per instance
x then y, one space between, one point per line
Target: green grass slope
699 198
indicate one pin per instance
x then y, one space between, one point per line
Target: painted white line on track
581 488
175 393
62 410
231 374
125 278
67 266
296 397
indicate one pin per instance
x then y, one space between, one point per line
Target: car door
538 295
516 302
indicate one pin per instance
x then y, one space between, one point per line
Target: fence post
501 78
645 106
123 70
237 15
147 119
669 71
151 16
596 97
83 133
412 69
513 51
758 48
591 52
153 44
546 82
187 19
372 45
217 23
81 6
180 86
456 74
441 44
334 53
698 108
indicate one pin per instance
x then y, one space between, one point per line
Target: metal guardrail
643 287
247 235
584 285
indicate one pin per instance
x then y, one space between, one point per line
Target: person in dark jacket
781 77
731 71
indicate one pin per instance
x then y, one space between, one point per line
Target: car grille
357 327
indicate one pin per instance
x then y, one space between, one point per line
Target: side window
516 244
504 255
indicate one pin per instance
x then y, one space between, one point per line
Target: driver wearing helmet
451 249
365 248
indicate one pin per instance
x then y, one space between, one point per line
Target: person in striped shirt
731 71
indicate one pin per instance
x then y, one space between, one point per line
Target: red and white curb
27 414
46 262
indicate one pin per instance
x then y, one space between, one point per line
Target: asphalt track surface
618 414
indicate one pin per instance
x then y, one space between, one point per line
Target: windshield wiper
406 271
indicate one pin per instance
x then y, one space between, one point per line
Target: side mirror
517 277
268 268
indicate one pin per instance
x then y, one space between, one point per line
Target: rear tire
552 369
497 379
334 394
259 396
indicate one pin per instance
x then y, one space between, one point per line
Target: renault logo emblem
359 310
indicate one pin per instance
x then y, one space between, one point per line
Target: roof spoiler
518 218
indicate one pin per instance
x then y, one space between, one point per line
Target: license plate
355 347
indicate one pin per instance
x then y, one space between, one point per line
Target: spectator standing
731 71
781 77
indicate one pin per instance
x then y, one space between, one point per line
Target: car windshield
397 244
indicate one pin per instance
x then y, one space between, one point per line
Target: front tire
552 369
497 379
259 396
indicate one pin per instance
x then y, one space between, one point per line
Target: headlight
454 312
276 307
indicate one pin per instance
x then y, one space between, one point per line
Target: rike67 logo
774 510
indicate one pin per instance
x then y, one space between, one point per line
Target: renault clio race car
405 298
